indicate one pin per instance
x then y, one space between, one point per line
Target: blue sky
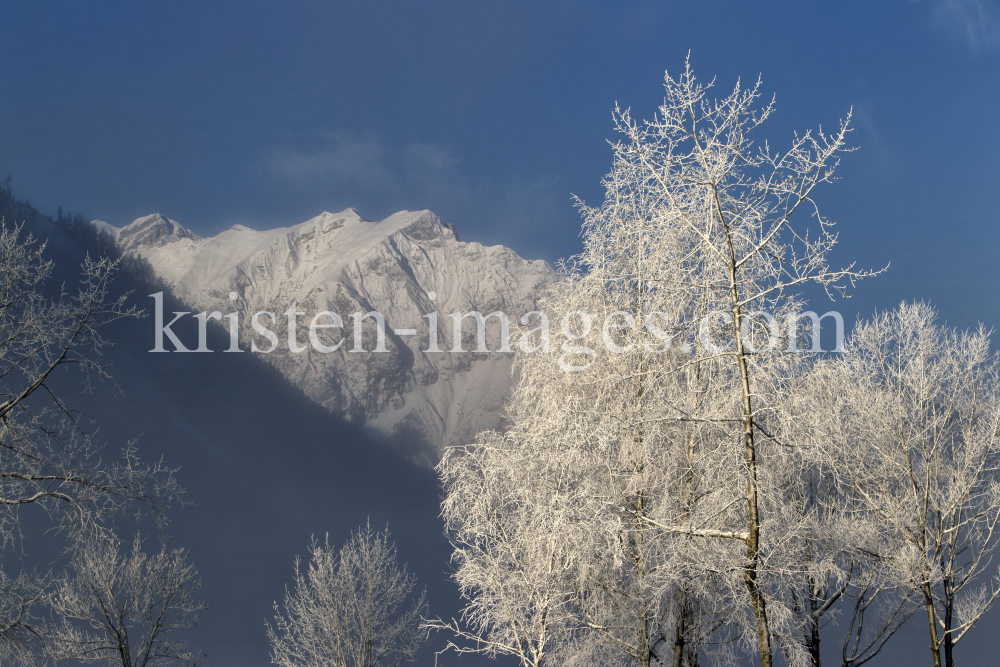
492 114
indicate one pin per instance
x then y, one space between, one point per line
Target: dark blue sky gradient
492 114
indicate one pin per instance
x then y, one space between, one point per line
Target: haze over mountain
406 267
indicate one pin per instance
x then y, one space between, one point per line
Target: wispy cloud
365 164
879 155
368 172
974 22
356 160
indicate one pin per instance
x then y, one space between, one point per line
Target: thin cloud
366 171
878 155
974 22
355 160
366 164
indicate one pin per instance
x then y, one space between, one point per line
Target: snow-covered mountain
404 267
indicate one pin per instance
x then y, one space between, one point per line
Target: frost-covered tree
49 465
348 609
21 630
513 563
553 521
919 405
47 460
832 564
663 398
123 609
840 580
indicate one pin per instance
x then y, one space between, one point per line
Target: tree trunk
948 643
752 565
814 643
935 643
643 629
814 606
679 632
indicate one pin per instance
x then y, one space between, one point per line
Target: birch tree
513 563
844 550
922 405
551 520
671 415
753 232
835 547
349 608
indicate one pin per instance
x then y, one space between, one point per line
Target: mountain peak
327 222
152 231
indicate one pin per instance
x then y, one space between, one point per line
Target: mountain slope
405 267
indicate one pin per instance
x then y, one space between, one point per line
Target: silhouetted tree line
86 239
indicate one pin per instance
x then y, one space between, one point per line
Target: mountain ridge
404 267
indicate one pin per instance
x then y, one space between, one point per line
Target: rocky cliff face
406 268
